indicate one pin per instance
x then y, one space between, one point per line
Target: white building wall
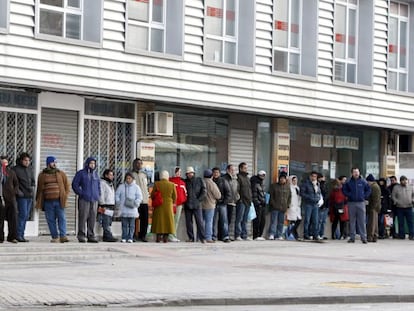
109 71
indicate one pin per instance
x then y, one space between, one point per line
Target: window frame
5 7
346 61
82 12
149 25
399 70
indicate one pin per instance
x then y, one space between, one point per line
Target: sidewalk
40 273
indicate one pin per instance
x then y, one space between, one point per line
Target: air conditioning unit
158 123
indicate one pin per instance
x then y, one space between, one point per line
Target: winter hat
208 173
370 177
189 169
282 175
261 173
50 159
403 178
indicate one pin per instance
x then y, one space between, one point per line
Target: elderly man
403 197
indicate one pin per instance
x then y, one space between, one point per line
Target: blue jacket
356 190
86 183
308 193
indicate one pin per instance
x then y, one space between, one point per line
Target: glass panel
294 63
392 80
137 37
353 1
73 25
394 8
403 44
393 43
230 53
51 23
158 11
281 61
157 40
339 71
231 18
295 24
281 24
214 17
109 109
340 31
351 73
58 3
351 34
213 50
74 3
402 82
403 10
138 10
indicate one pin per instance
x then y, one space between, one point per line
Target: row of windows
156 26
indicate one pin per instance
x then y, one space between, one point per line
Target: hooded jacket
258 193
294 211
26 179
86 183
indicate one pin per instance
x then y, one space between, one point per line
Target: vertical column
281 147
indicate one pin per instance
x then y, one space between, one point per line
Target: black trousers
259 222
143 221
8 212
198 216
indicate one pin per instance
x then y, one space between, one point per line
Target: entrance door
59 138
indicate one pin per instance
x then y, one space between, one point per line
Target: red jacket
336 196
180 189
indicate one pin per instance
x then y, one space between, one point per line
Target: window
70 19
224 21
4 15
397 47
345 41
155 26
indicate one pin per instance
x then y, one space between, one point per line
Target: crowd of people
298 209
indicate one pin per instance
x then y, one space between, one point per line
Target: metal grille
111 143
18 133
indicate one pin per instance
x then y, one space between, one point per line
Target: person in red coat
338 209
181 198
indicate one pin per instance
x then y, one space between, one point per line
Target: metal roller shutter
242 148
59 137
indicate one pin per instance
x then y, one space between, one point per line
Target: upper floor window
229 32
346 40
398 46
70 19
155 26
4 15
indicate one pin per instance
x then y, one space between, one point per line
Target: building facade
284 85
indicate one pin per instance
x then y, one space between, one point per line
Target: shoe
226 240
91 240
111 239
203 241
259 238
173 239
318 238
239 239
142 240
280 238
130 241
82 240
190 241
123 241
14 241
307 238
22 240
55 240
248 239
411 238
64 239
210 241
271 237
364 241
325 238
351 241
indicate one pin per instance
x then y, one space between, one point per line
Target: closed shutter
242 148
59 138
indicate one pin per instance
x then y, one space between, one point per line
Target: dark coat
244 188
86 183
308 193
224 187
258 193
196 192
26 179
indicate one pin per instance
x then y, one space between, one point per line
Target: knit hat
282 175
370 177
208 173
189 169
261 173
50 159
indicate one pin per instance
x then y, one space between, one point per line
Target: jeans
24 207
277 219
357 220
311 221
220 217
208 215
240 223
128 228
323 214
406 213
106 222
54 212
177 217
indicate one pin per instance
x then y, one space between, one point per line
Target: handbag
129 202
252 213
156 198
339 207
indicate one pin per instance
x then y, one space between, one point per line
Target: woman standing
162 216
181 198
338 210
294 214
128 197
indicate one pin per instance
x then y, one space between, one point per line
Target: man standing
8 190
357 191
373 207
403 197
323 210
106 208
52 196
311 197
221 232
26 179
243 205
196 192
142 181
87 186
231 178
280 199
259 201
393 182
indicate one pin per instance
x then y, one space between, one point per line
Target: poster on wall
373 168
328 141
316 140
146 152
281 153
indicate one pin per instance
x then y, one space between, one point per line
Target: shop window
398 46
229 32
155 26
294 52
4 15
73 20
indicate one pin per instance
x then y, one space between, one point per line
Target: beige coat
213 194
